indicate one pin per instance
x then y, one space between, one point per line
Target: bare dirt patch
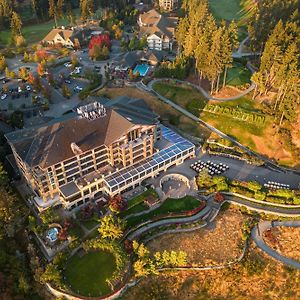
207 246
285 240
227 92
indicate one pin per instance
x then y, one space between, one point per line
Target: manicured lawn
87 274
225 9
238 75
183 95
136 204
241 130
169 206
244 102
32 33
90 224
76 232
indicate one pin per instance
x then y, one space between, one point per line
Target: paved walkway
203 91
257 233
268 163
279 211
240 53
139 231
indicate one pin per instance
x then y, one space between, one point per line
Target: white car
19 89
3 96
28 88
78 88
68 64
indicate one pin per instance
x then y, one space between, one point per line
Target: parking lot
15 94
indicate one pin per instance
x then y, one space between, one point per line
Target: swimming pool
52 234
142 69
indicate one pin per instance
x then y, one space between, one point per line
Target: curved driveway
257 233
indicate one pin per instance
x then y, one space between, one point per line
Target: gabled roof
64 33
132 57
153 22
49 144
74 35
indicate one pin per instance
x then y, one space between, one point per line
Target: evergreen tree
15 24
86 9
56 10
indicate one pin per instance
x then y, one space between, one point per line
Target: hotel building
101 149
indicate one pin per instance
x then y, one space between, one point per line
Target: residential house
68 37
159 29
131 58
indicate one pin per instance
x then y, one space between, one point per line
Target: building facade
68 37
93 153
168 5
158 29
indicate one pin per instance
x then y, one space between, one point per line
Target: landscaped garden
182 94
169 206
251 189
238 118
137 204
87 274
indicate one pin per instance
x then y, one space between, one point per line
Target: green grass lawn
32 33
169 206
89 224
76 232
87 274
238 129
238 75
136 204
183 95
225 9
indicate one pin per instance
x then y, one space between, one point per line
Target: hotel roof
50 143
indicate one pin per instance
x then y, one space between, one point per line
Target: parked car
3 96
68 64
78 88
5 80
28 87
68 81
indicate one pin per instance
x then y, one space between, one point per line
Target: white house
159 30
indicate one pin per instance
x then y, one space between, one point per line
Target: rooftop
152 22
57 140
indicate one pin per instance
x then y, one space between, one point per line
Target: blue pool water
142 69
52 234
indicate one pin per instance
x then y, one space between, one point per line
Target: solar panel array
179 146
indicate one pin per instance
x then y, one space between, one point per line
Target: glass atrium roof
178 146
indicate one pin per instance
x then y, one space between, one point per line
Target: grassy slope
170 205
185 96
136 204
87 274
238 75
32 33
241 130
225 9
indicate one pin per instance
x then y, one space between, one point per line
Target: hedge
236 113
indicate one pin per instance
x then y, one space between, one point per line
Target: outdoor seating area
213 168
277 185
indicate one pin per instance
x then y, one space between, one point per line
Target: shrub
260 195
236 113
